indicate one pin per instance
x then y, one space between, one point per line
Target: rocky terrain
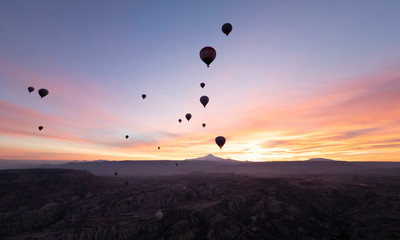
74 204
212 164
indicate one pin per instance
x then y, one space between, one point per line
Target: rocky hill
72 204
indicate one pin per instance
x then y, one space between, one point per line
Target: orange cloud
359 120
329 123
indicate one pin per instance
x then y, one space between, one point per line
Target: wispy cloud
349 120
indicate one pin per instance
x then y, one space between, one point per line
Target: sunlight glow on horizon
305 80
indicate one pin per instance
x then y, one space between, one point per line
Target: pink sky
291 82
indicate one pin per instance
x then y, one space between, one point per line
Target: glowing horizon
291 82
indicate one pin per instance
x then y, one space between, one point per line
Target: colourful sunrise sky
294 80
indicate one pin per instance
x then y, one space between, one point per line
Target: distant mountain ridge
321 160
86 161
209 157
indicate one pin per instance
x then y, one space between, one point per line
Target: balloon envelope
143 96
158 148
43 92
204 100
31 89
227 28
188 116
202 85
40 128
179 120
126 136
220 141
207 55
159 215
204 125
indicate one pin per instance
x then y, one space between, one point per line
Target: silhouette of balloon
126 136
143 96
202 85
158 148
179 120
208 54
159 215
220 141
31 89
204 125
40 128
188 116
43 92
204 100
227 28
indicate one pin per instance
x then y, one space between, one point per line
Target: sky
293 80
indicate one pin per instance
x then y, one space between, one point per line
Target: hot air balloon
43 92
204 100
188 116
159 215
158 148
204 125
220 141
143 96
208 54
40 128
227 28
31 89
202 85
126 136
179 120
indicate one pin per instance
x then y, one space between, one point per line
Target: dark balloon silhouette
179 120
204 125
40 128
220 141
227 28
115 173
188 116
202 85
208 54
204 100
43 92
31 89
126 136
158 148
143 96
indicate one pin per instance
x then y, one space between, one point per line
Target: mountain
20 164
320 160
209 157
85 161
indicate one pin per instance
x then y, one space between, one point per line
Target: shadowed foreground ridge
74 204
